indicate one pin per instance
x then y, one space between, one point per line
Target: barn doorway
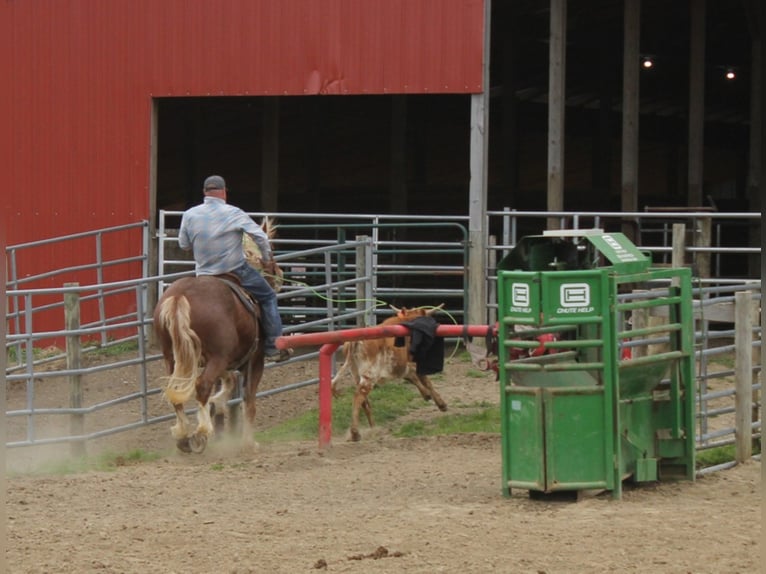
348 154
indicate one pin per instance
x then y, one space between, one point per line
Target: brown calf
375 361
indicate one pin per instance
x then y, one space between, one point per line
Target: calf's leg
363 389
426 383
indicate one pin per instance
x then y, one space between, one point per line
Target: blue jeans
256 285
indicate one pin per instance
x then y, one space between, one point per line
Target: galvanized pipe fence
94 243
29 420
416 259
341 272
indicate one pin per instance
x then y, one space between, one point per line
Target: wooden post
754 167
743 366
477 189
269 197
363 294
73 363
679 249
702 238
492 264
696 100
153 264
398 174
630 115
556 109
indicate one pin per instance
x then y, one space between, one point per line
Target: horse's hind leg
212 371
219 407
180 430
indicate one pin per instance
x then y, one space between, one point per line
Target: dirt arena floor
384 504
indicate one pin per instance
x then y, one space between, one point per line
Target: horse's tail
187 349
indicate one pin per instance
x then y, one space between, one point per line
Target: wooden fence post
492 264
678 254
73 363
364 305
702 238
743 367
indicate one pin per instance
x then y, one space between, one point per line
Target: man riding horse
207 328
213 231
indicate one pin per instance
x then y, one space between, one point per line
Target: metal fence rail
340 272
415 260
32 369
19 308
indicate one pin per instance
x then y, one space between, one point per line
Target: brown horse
207 332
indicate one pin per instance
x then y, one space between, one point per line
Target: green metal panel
576 441
519 298
638 438
525 466
572 295
544 379
646 470
620 252
638 378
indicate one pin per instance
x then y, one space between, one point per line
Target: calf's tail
347 355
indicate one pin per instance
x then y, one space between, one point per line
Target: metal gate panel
576 440
524 465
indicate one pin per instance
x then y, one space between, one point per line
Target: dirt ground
384 504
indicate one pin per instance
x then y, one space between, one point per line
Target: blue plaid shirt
213 231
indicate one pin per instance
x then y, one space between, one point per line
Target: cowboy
213 231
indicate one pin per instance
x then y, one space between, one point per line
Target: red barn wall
84 73
75 146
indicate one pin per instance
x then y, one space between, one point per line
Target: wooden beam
556 108
270 155
398 173
754 168
477 189
743 365
696 102
630 91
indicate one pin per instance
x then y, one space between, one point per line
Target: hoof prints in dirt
381 552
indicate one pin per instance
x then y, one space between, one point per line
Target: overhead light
647 62
729 73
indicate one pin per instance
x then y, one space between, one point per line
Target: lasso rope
375 304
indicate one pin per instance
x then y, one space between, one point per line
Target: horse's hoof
442 408
183 445
197 443
355 436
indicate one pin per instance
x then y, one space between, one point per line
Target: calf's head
404 314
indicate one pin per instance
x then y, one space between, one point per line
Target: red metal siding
84 73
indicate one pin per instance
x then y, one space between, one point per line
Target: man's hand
269 266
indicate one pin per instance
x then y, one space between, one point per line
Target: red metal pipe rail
331 340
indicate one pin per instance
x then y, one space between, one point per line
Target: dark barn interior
347 154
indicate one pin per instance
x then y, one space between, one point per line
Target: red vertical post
325 393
